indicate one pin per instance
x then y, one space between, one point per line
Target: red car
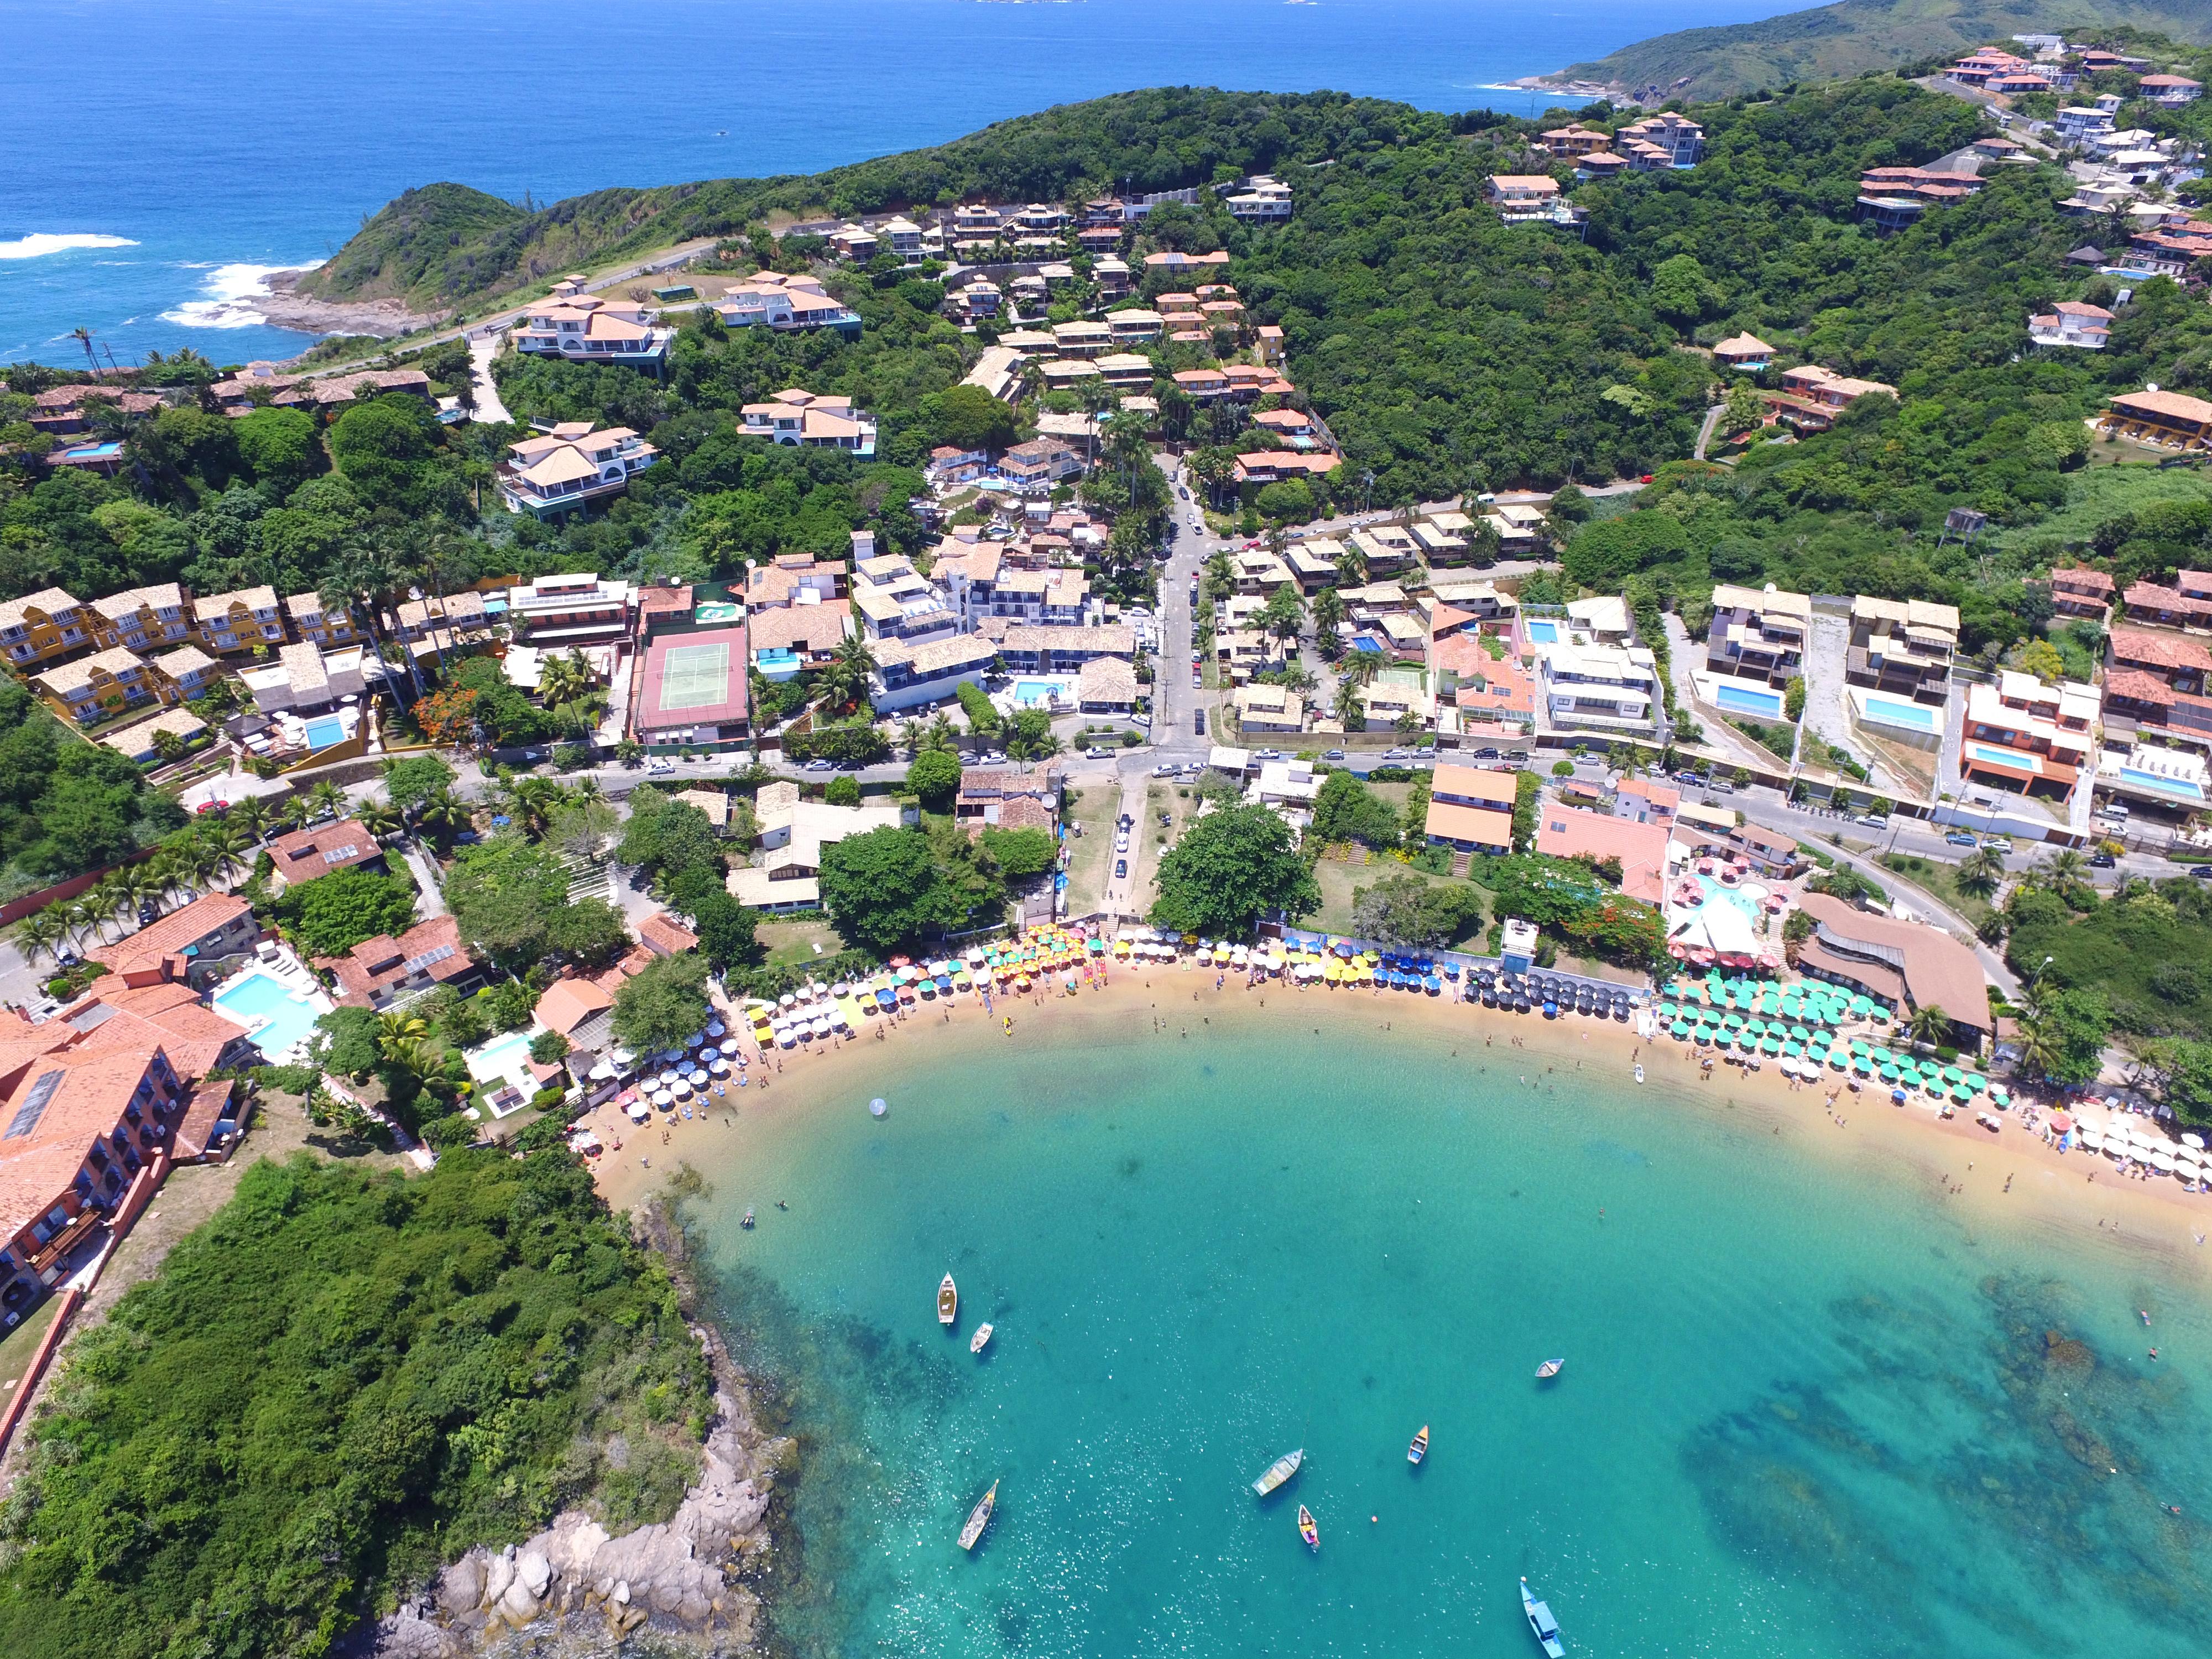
1645 478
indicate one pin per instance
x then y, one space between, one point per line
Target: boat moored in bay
1419 1448
1549 1370
976 1343
1542 1624
1279 1471
1307 1530
979 1517
948 1301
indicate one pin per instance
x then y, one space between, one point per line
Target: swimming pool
2182 787
91 452
503 1061
267 1008
1742 699
1894 711
2019 760
1543 632
325 731
1028 694
1748 899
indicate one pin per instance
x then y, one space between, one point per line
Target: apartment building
2188 604
568 611
2080 591
312 620
1260 200
2172 419
211 927
1680 140
2179 660
89 689
44 626
306 679
896 602
1471 810
245 621
190 670
786 305
911 675
1903 646
1057 648
1598 687
1034 467
142 619
794 579
1758 632
572 465
2024 736
812 420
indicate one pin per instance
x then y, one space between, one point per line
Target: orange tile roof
663 934
568 1003
1474 783
1449 821
172 933
1568 832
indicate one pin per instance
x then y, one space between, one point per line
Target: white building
785 304
1598 687
812 420
571 466
591 328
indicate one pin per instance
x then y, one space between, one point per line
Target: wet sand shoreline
2011 1179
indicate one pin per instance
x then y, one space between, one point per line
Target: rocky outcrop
583 1590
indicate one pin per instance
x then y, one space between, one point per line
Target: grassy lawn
20 1344
1941 881
1093 856
1338 878
788 943
1180 802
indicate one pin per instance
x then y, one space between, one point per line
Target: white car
661 767
821 766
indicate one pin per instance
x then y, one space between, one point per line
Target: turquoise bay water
1804 1412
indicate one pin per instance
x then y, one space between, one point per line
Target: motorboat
1279 1471
1542 1624
981 1340
1419 1448
979 1517
948 1301
1549 1369
1307 1530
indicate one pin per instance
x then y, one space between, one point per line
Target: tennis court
694 677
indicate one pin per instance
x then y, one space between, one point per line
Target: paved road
488 404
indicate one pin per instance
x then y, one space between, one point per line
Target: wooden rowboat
979 1517
948 1301
1419 1448
1307 1530
982 1335
1279 1471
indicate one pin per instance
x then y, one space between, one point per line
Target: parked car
1960 838
1197 722
2203 872
1483 754
1095 753
1121 869
660 767
820 765
2103 861
1197 677
1871 821
1121 842
996 757
1333 755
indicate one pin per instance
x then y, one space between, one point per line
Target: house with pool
382 972
177 946
1757 634
2030 738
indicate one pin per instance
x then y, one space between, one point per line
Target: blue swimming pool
1030 693
1733 897
322 733
267 1008
1894 711
1543 632
1744 700
2182 786
1996 755
92 451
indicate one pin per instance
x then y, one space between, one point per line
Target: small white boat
1640 1072
948 1301
1542 1624
1549 1369
1279 1471
981 1339
979 1517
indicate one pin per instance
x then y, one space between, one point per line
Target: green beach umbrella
1800 1033
1962 1096
1889 1074
1734 1021
1953 1074
1838 1060
1859 1048
1861 1006
1976 1082
1768 1046
2000 1095
1863 1065
1668 1010
1791 1050
1681 1030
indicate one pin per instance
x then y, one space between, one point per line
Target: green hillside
445 245
1833 43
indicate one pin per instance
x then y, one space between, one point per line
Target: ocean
158 159
1809 1406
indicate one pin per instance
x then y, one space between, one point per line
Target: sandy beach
2072 1202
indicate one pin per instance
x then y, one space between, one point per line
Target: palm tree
380 818
565 679
442 816
83 922
41 934
2040 1050
83 337
2064 868
200 859
397 1030
326 798
910 737
941 736
148 884
1351 712
1929 1025
844 678
1982 871
1363 667
254 815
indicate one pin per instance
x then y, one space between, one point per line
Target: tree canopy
1232 868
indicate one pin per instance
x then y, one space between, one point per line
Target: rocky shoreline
285 307
689 1585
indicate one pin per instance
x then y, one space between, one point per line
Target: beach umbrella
1859 1050
1792 1049
1770 1046
1668 1010
1838 1060
1961 1096
1889 1074
1734 1021
1680 1030
2000 1094
1952 1074
1800 1033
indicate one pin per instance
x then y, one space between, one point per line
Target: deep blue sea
158 158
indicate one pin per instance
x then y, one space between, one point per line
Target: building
794 830
2179 661
1471 810
571 466
82 1124
1106 685
581 1011
1746 353
2172 419
211 928
2171 90
1647 800
100 687
1598 687
43 626
142 619
1569 832
795 637
556 612
1905 964
1574 139
312 620
1523 196
382 972
691 690
912 676
786 305
896 602
1034 467
245 621
1058 648
591 328
1260 200
305 679
812 421
794 579
2080 591
1903 646
2029 737
1680 140
188 669
1268 708
1768 851
1760 633
2073 324
141 741
305 854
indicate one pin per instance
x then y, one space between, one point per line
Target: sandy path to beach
2069 1201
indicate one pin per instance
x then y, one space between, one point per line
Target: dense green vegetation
1831 42
422 242
66 805
340 1381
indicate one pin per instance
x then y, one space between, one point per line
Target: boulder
462 1585
518 1606
533 1573
499 1573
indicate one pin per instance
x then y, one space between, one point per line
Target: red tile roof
172 934
663 935
306 853
1568 832
2133 647
568 1003
377 964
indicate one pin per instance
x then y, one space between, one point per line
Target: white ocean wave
38 246
227 298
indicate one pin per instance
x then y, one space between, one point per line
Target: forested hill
446 245
1833 43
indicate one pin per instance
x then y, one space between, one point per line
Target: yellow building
46 625
229 623
95 688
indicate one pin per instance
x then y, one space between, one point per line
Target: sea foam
227 298
40 245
